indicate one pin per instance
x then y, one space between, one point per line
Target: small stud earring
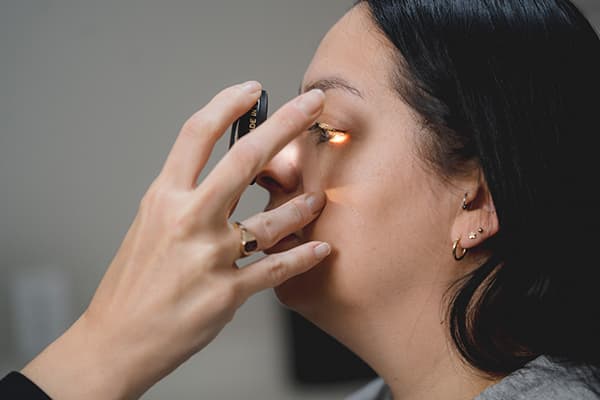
473 235
465 205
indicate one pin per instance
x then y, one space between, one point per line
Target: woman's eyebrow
330 83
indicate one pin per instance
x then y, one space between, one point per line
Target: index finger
231 176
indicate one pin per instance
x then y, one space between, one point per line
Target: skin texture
390 220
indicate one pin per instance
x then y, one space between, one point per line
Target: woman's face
387 218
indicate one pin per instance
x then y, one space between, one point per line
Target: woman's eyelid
329 128
330 134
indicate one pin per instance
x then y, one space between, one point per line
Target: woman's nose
281 174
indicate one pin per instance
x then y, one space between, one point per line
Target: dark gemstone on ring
250 246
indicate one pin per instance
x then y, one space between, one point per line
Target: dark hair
513 86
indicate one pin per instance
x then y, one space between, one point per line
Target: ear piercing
465 205
473 235
456 253
459 252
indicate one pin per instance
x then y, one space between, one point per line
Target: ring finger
270 227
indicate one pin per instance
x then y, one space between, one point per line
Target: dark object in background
317 358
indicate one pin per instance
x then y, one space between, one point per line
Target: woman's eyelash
326 133
322 134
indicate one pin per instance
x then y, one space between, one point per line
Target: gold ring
248 242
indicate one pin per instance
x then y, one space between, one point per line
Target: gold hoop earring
456 256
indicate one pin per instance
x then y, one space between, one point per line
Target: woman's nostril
268 182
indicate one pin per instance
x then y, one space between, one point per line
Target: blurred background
92 95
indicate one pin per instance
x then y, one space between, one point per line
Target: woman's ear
476 218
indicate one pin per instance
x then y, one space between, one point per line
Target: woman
454 147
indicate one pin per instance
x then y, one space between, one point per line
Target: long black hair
513 85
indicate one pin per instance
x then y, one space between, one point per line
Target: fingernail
311 102
322 250
315 201
251 86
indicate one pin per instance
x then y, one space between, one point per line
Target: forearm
78 366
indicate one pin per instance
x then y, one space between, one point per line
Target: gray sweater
540 379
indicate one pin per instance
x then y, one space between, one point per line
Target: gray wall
92 94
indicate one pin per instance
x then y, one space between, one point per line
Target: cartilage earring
465 205
473 235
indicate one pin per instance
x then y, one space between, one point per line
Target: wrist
80 365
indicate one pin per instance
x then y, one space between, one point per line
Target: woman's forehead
353 51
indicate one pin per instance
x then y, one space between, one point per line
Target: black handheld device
251 120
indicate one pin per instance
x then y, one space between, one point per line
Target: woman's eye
326 133
322 135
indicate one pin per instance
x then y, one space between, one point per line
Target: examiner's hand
173 283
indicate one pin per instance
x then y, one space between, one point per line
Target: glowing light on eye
338 137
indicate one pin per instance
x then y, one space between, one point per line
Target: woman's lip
290 241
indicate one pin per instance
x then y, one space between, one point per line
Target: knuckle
154 196
180 226
158 205
269 229
212 252
296 212
276 271
198 123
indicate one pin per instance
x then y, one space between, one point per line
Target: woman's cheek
339 279
352 187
